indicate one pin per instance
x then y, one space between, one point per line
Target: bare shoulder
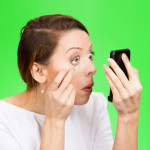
13 99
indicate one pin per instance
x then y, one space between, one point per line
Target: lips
89 86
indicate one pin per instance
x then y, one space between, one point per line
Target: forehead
74 38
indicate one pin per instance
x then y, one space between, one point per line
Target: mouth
88 88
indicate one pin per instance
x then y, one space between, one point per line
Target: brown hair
38 40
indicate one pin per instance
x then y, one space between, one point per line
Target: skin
83 66
61 59
126 93
126 100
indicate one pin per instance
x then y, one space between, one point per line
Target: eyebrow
77 48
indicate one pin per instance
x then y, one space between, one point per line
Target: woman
59 110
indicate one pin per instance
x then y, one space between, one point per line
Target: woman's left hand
126 93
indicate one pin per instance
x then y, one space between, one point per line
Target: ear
38 72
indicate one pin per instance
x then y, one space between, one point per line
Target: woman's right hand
60 97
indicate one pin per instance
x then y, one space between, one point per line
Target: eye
91 56
76 59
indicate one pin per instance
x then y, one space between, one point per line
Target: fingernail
65 69
125 56
109 60
71 69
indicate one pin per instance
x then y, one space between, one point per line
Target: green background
112 24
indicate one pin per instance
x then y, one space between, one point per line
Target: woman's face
74 51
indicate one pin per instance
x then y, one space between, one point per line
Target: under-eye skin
77 57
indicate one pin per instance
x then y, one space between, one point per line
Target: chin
81 100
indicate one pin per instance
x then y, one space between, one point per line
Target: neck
34 101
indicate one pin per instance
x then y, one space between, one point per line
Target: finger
117 97
114 79
58 79
129 68
120 74
66 81
67 92
72 97
112 87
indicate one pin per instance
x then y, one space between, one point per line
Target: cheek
54 70
59 65
77 79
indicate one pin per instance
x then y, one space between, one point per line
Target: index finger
58 79
66 80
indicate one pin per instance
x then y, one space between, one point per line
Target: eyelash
92 52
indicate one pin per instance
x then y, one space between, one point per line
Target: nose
91 69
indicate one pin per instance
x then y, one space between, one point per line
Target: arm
59 101
126 100
53 135
126 137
